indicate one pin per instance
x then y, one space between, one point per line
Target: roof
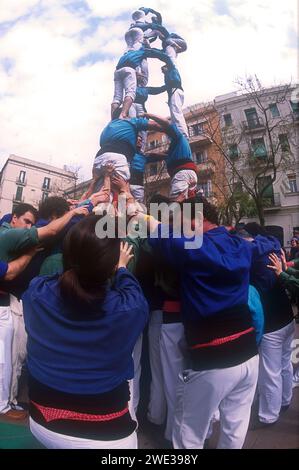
38 165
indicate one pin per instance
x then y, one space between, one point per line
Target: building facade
24 180
258 130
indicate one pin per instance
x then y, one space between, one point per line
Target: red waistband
52 414
219 341
184 166
172 306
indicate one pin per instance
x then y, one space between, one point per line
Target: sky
57 59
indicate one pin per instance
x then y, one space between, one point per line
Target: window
284 142
295 107
274 110
293 183
228 120
153 144
259 148
46 183
22 176
45 196
205 188
252 117
233 151
196 129
19 193
153 169
264 181
200 157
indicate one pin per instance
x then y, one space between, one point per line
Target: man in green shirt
17 238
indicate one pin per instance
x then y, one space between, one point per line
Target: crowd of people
75 304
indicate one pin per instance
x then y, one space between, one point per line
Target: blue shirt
133 59
3 268
123 131
172 79
214 277
143 92
257 312
88 350
179 150
6 218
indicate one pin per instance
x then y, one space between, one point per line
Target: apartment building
245 121
25 180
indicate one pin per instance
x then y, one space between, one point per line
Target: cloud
221 7
57 61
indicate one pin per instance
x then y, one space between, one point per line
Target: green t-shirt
52 265
15 241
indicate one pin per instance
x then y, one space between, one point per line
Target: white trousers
124 81
172 359
6 339
54 440
275 372
157 402
176 111
182 182
201 393
137 192
134 383
19 346
119 162
13 341
137 110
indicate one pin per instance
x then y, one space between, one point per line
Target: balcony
21 182
273 202
157 148
199 137
18 200
253 125
206 168
46 188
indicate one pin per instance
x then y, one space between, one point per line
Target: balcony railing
253 124
21 182
18 200
272 202
207 167
199 137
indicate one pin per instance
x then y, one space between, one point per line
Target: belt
225 339
52 414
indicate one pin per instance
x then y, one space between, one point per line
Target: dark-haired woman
82 329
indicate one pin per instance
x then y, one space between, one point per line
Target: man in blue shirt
118 146
125 81
179 161
223 360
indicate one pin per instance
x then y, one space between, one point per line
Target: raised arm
163 122
54 227
156 90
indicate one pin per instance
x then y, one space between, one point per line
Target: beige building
244 129
24 180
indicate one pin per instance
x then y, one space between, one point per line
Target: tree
257 150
